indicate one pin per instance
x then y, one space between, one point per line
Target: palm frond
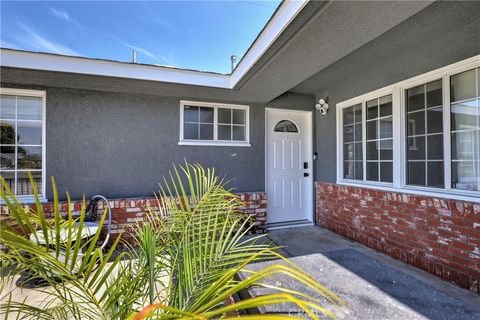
185 261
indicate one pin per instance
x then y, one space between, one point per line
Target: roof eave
287 11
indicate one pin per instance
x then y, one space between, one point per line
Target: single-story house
362 117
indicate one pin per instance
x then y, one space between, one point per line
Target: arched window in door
285 126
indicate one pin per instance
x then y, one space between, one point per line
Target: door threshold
289 224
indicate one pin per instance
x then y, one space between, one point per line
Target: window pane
206 115
239 116
348 169
190 131
7 157
434 94
29 157
463 175
435 147
463 86
416 98
190 114
416 173
29 132
386 106
386 128
206 131
9 179
239 133
348 115
416 148
224 115
416 123
23 182
372 151
224 132
358 151
29 108
372 171
358 132
372 109
465 145
348 151
7 131
435 174
386 172
372 130
286 126
352 132
435 120
348 133
464 115
358 170
386 149
7 107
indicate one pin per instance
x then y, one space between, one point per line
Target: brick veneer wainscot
438 235
126 213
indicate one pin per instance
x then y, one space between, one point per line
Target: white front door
289 165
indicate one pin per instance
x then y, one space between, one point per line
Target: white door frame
309 131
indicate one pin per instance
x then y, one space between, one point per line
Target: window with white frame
379 139
22 145
204 123
465 129
422 133
352 143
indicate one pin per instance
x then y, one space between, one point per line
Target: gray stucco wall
442 34
121 145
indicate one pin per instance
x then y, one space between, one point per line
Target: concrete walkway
378 286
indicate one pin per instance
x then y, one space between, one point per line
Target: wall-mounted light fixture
322 106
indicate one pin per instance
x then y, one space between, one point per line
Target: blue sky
197 35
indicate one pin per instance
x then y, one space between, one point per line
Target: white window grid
398 92
28 93
355 160
215 141
425 135
378 140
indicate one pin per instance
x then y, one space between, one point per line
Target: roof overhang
100 67
302 38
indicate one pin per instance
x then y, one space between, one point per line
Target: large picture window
22 139
421 134
213 124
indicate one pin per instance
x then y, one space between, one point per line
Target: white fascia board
286 13
59 63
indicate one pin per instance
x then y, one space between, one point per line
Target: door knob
305 174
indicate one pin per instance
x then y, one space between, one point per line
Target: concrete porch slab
374 285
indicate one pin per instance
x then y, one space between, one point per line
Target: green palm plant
185 261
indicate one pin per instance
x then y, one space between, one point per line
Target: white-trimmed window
203 123
420 135
367 138
22 140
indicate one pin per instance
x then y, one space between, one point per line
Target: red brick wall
127 212
437 235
